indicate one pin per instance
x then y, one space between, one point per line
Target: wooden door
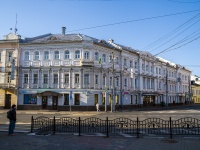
55 102
44 102
7 101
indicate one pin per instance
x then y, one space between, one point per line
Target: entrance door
55 102
8 101
77 99
44 102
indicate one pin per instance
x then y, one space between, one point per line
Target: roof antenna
16 24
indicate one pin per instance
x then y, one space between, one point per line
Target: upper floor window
96 56
26 55
77 54
86 79
143 67
67 54
10 56
86 55
104 58
45 78
25 78
66 78
55 78
36 55
131 64
110 58
56 55
136 64
46 55
117 60
35 78
151 68
9 77
117 81
76 78
96 79
125 62
125 82
159 71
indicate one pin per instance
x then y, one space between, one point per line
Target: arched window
86 55
104 58
67 54
26 55
36 55
46 55
77 54
56 54
96 56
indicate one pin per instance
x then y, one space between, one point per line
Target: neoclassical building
75 71
9 47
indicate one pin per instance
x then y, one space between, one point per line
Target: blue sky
180 20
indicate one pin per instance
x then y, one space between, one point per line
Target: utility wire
170 33
142 19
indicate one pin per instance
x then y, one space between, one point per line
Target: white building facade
74 71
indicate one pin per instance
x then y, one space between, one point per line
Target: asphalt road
24 116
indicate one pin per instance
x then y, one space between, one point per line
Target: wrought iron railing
157 126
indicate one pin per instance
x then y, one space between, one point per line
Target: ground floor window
77 99
117 99
110 98
30 99
95 99
66 99
136 99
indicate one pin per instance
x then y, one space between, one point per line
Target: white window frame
46 55
87 55
56 55
36 56
77 54
27 56
96 56
67 54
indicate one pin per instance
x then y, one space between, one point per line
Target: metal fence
182 126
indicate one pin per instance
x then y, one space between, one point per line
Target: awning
48 93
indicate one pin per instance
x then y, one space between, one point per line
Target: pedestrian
12 118
97 106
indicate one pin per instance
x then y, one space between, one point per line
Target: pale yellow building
195 89
9 48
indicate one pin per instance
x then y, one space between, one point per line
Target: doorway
8 101
44 102
77 99
54 102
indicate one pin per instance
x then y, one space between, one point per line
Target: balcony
87 63
7 86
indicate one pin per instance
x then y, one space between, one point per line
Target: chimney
111 41
63 30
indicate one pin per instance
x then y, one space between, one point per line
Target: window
36 55
0 57
77 54
30 99
55 78
159 71
117 81
104 58
86 79
86 55
136 64
46 55
147 68
67 54
35 78
117 60
10 56
96 79
66 78
76 78
26 55
104 80
45 78
110 58
96 56
125 82
26 78
125 62
143 67
56 55
131 64
152 69
66 100
110 81
156 70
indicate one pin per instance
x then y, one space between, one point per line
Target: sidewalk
72 142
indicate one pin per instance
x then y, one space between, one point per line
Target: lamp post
113 87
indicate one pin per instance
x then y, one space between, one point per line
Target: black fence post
79 126
54 125
138 128
170 127
32 124
107 126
